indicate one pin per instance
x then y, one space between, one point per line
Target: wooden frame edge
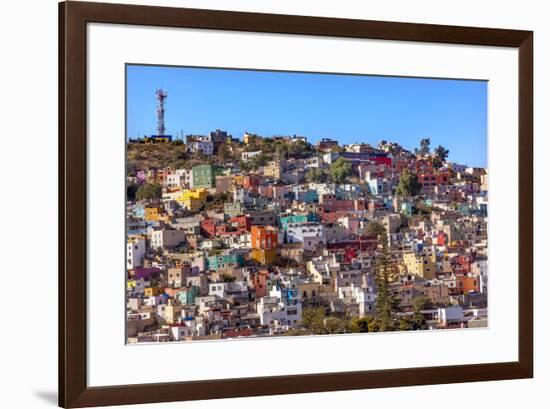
295 384
73 390
72 203
525 203
61 211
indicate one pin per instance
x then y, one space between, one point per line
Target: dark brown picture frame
73 388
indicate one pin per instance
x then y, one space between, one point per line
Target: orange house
152 214
259 282
264 237
466 284
172 292
153 291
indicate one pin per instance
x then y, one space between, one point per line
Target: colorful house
224 261
153 291
284 221
420 264
264 237
187 295
204 176
152 214
264 256
192 199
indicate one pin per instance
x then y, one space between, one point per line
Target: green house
407 208
204 176
284 221
224 261
233 209
187 295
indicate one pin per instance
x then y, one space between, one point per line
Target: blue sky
349 108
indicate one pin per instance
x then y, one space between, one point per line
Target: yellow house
152 214
250 138
273 169
264 256
153 291
172 313
309 289
192 199
131 284
238 180
420 264
430 252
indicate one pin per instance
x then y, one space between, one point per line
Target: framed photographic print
272 204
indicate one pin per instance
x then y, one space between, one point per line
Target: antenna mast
160 95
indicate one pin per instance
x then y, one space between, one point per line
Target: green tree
441 154
315 175
340 170
364 324
313 319
335 325
385 302
415 323
258 161
224 152
228 278
424 147
422 303
149 191
408 184
245 166
300 149
131 168
375 229
131 190
281 150
419 322
406 324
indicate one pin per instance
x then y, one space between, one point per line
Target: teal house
187 295
407 208
224 261
284 221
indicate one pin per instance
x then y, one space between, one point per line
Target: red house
251 181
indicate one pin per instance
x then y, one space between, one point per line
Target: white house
242 196
455 167
170 195
310 234
173 180
166 238
207 148
364 297
135 252
322 268
450 315
200 143
178 332
379 186
180 178
249 155
238 289
186 177
139 286
274 312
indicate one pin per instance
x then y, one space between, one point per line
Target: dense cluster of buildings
226 252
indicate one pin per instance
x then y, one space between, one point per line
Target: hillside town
273 235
